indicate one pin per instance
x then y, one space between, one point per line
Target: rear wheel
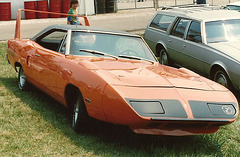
79 116
163 57
22 81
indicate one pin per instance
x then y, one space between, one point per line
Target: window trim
176 23
45 34
68 43
201 33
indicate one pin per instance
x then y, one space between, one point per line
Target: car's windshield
222 31
115 45
233 7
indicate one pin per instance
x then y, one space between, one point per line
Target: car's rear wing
18 20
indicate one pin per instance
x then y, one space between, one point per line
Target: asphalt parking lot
124 20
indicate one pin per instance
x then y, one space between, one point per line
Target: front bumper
177 128
161 109
172 119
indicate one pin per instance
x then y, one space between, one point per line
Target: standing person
73 20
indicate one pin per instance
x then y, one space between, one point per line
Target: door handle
169 40
37 55
184 46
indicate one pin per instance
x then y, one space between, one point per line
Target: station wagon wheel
222 78
79 116
22 81
163 57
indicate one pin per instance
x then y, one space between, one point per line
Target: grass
33 124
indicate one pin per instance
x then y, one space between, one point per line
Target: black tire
163 57
22 81
80 116
221 77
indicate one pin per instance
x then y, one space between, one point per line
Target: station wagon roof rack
192 8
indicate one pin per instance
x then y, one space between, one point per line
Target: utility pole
85 8
155 4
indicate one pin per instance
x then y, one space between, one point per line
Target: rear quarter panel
18 52
12 56
153 37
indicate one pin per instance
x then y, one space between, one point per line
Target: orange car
114 77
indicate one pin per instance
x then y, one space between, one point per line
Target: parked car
114 77
233 6
201 38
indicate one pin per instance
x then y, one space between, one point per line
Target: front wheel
80 116
22 81
163 57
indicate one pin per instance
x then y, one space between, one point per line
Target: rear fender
160 44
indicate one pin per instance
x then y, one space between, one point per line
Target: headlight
158 108
222 109
143 108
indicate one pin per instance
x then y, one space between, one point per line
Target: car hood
147 74
230 48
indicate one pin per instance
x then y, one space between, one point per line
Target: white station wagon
201 38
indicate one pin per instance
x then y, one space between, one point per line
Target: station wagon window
179 28
233 7
162 22
194 32
222 31
52 39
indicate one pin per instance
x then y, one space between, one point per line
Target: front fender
218 64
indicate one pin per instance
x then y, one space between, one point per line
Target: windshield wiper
135 57
98 53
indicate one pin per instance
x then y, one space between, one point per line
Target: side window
56 35
162 22
194 32
179 28
52 40
155 22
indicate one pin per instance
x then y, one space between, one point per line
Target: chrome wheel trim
221 79
22 78
163 57
76 112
